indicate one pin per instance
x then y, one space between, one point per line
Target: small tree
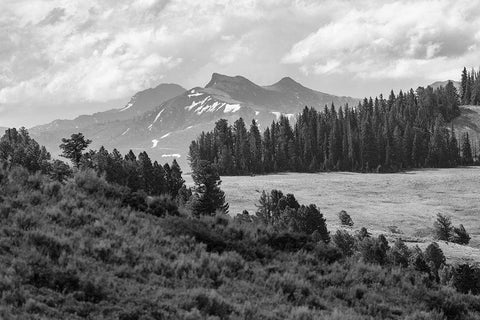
460 235
308 219
399 254
443 227
434 256
207 197
344 241
345 218
73 148
363 233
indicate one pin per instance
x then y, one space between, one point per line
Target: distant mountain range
164 120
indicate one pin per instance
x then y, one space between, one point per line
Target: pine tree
207 196
463 87
146 172
467 157
176 180
73 147
255 146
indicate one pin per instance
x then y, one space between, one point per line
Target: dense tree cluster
17 148
283 212
470 87
137 173
445 231
407 130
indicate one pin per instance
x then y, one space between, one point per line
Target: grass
409 201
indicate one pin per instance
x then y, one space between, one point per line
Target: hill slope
468 121
76 251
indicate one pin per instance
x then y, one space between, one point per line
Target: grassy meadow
409 200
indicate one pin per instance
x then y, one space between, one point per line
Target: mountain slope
168 128
468 121
140 103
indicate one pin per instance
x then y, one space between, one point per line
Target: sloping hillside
77 251
468 121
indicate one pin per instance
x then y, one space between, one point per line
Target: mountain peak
288 82
221 78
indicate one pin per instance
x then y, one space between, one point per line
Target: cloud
60 53
392 39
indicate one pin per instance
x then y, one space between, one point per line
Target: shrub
435 255
399 254
212 304
363 233
161 206
466 279
460 235
374 250
345 219
417 260
308 219
344 241
442 227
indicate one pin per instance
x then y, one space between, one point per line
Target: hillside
468 121
173 123
75 250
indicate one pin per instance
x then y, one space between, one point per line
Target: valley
410 200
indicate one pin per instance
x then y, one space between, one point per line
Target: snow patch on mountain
165 135
197 103
155 142
158 115
173 155
193 93
128 106
231 108
277 114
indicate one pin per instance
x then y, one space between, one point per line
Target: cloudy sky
59 59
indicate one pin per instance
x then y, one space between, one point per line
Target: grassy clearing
409 201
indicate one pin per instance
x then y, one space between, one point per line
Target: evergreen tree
207 196
176 180
73 147
467 157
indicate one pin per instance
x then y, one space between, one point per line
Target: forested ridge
406 130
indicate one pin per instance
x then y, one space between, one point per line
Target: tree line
407 130
147 184
470 87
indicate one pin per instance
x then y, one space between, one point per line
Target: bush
345 219
460 235
374 250
344 241
434 255
161 206
442 227
308 219
399 254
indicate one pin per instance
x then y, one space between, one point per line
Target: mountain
439 84
166 130
140 103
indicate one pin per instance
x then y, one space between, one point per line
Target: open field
409 201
